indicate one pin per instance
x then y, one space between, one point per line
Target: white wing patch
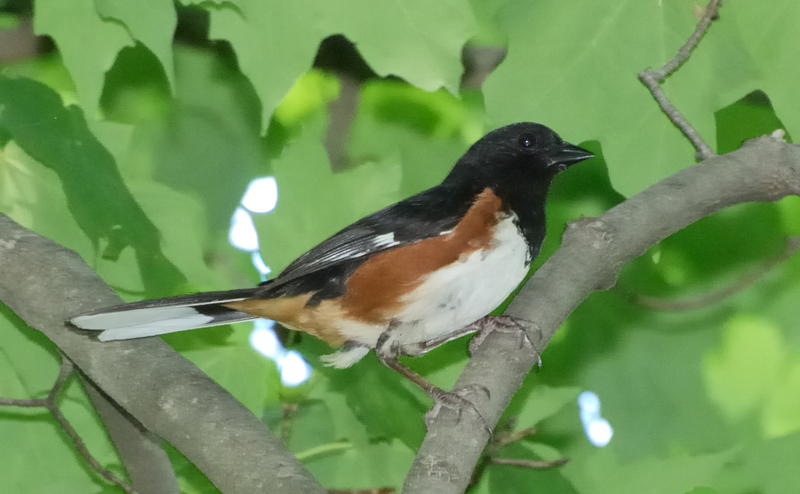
379 242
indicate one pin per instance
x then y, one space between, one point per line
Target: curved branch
44 283
592 253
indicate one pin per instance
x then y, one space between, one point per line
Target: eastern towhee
403 280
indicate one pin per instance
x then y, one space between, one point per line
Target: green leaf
743 372
275 42
416 40
208 144
151 22
88 43
603 473
543 402
772 465
59 138
33 196
767 37
518 480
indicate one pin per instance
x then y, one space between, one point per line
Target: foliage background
132 145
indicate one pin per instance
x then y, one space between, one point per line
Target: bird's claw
456 400
505 324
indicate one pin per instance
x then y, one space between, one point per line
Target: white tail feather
136 317
155 317
165 326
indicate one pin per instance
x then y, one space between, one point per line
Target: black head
518 151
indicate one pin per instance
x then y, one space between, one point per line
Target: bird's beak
569 154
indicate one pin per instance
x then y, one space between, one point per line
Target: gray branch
592 253
44 283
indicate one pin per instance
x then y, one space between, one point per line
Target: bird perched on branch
401 281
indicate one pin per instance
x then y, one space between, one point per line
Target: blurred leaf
676 474
383 401
767 35
368 466
772 465
312 92
417 40
743 371
190 479
703 490
207 144
88 43
151 22
750 117
58 138
781 414
514 479
32 195
275 42
185 238
543 402
347 457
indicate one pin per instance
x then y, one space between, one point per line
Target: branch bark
592 253
44 283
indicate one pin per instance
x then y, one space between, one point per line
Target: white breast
466 290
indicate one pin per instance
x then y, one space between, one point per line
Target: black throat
526 198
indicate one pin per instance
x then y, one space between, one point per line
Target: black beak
569 154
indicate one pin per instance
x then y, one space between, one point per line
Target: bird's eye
527 140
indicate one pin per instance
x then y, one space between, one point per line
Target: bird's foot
509 325
455 400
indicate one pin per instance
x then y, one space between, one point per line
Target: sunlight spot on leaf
597 429
242 234
261 195
294 369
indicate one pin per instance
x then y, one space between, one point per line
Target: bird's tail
166 315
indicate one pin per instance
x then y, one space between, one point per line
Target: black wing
427 214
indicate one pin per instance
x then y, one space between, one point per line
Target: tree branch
145 460
592 253
653 78
45 283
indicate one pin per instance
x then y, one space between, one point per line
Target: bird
403 280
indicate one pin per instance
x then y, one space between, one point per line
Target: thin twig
652 79
513 437
749 278
529 463
379 490
13 402
503 436
286 423
51 403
